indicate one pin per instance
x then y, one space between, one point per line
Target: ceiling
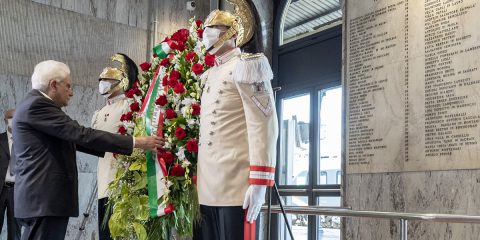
302 17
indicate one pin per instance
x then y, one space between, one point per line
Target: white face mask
107 88
210 36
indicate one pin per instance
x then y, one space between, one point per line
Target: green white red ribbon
156 168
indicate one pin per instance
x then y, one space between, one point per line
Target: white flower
188 101
181 153
185 163
198 48
177 66
185 110
191 122
175 58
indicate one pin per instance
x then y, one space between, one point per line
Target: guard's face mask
210 36
105 88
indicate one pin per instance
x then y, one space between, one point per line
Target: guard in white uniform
238 131
113 83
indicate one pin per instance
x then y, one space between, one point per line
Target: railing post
403 229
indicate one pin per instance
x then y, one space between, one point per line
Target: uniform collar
227 56
115 99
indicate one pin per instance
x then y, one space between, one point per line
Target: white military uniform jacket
238 129
108 119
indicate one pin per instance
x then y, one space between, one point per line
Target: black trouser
44 228
220 223
6 203
103 230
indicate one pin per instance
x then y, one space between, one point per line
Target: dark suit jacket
45 141
4 158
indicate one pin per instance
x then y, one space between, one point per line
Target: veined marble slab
412 79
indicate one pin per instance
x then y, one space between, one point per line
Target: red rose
180 35
128 116
181 46
172 83
198 22
179 88
192 145
177 170
200 33
155 55
194 179
145 66
197 68
129 94
174 75
169 209
135 91
162 100
166 39
168 157
165 81
165 62
210 60
135 106
180 133
195 109
170 113
122 130
190 56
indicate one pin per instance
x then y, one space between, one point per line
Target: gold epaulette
249 56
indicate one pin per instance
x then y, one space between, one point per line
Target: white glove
254 199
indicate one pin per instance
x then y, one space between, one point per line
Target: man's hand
254 199
151 143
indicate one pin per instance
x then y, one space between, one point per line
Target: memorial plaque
412 77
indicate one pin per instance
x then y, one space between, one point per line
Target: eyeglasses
67 85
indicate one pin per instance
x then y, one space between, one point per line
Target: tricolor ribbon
163 49
156 168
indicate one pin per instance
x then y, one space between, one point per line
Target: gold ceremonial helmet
241 23
126 74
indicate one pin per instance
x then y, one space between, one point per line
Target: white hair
46 71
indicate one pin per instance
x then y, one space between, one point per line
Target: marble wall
449 192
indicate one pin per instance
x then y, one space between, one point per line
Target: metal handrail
403 217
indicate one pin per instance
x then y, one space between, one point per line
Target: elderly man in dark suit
7 180
45 141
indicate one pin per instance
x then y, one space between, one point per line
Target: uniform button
224 82
220 91
208 89
214 111
209 143
211 132
230 73
212 122
217 101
